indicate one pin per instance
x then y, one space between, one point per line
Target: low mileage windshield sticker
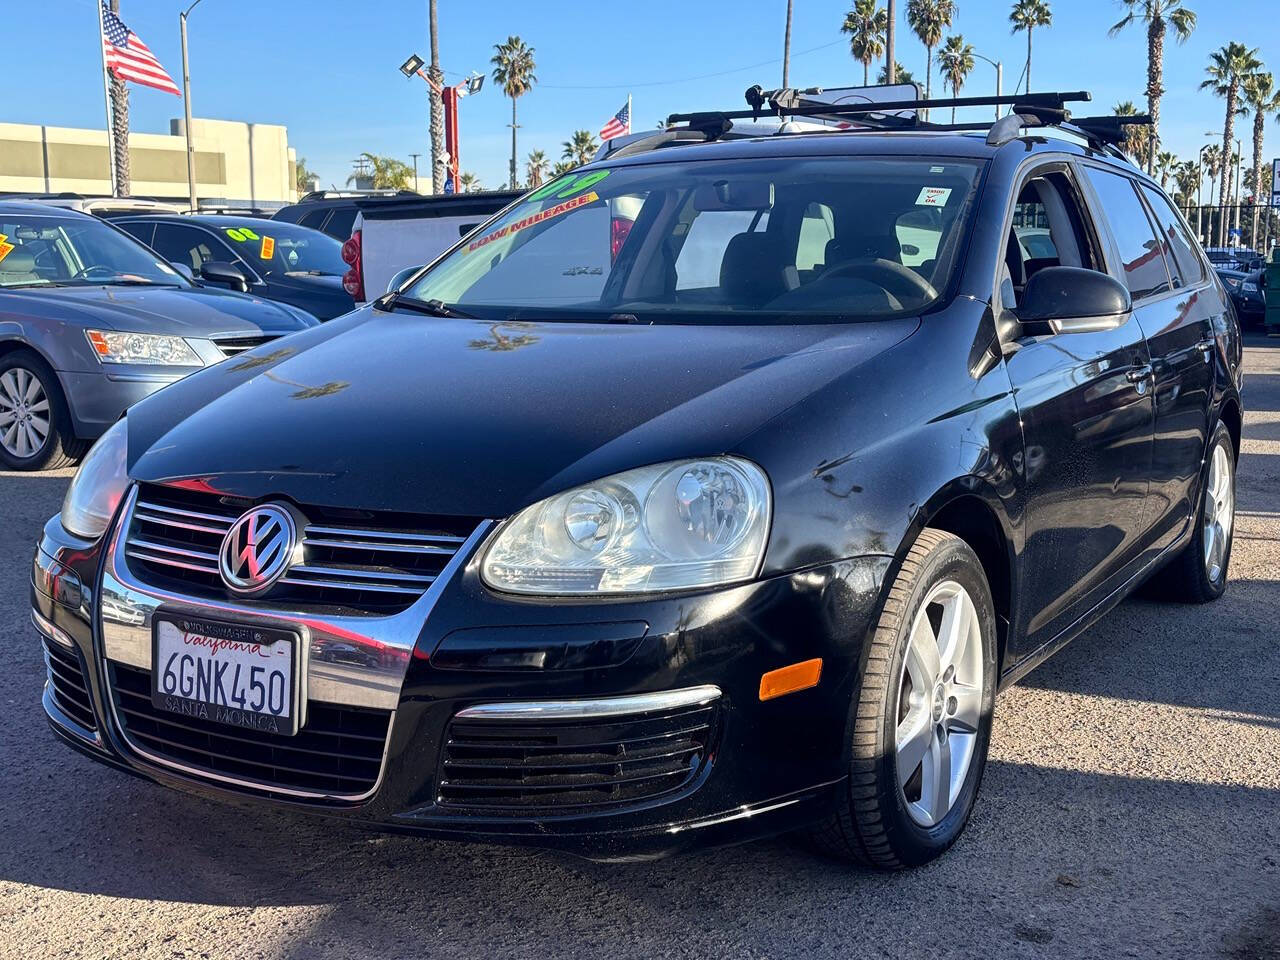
562 189
533 219
241 234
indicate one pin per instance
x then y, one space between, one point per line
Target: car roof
47 209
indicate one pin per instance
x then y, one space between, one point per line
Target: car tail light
619 230
353 279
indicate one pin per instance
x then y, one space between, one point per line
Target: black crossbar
813 108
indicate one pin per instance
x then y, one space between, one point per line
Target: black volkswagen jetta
706 492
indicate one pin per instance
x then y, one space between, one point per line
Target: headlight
672 526
98 486
1249 287
112 346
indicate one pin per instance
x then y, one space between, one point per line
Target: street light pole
415 171
1199 184
186 106
999 77
1235 209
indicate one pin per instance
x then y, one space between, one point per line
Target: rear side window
1141 256
1178 244
314 219
139 231
340 224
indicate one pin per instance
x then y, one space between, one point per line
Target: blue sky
328 70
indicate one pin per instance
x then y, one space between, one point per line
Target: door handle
1138 374
1206 346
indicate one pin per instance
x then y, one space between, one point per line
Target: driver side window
1047 230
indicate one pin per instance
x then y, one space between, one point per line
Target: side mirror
1072 300
218 271
183 269
396 282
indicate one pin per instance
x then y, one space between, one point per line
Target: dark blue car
91 321
277 261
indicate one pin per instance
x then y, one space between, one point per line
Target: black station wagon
713 489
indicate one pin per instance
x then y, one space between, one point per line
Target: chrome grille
381 563
231 347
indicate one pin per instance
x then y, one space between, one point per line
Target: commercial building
240 164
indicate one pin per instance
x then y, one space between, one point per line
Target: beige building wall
245 164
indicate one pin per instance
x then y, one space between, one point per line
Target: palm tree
1137 139
1159 16
468 182
1263 100
955 63
562 167
580 148
437 104
120 127
1212 166
928 18
1185 179
900 73
786 46
1227 68
388 173
1027 15
535 168
513 68
865 25
1165 163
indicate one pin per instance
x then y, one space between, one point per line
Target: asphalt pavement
1131 808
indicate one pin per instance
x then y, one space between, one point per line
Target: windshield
38 250
748 241
274 248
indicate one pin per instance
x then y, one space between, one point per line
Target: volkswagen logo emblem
257 549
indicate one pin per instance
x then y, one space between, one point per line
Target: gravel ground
1131 809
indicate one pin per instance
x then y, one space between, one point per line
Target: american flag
619 125
129 57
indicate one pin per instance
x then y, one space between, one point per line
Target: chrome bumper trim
52 631
587 709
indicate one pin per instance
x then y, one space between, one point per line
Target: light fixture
412 65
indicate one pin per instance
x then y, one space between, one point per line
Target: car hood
186 312
403 412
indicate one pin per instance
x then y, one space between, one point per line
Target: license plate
230 673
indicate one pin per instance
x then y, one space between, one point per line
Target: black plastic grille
353 560
523 767
68 685
337 753
231 346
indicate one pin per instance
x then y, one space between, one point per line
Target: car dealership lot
1129 809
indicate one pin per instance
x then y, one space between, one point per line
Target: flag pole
106 92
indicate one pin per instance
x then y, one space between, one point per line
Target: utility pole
186 106
891 66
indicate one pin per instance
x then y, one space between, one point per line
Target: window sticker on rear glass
6 247
268 248
533 219
933 196
567 188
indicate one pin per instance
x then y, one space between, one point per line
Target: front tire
35 424
922 713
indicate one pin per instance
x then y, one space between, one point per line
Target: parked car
1248 293
275 261
91 322
332 211
732 527
392 236
105 207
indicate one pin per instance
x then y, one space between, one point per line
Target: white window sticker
933 196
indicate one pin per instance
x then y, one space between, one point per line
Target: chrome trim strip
430 550
423 538
193 514
343 576
584 709
51 630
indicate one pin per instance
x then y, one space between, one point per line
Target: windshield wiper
432 308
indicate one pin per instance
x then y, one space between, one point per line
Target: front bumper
97 400
768 766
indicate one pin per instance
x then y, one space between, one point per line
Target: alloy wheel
939 703
1219 511
25 417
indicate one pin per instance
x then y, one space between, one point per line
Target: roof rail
339 194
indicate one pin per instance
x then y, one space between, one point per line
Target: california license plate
230 673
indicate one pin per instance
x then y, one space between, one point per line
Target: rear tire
927 692
1199 573
35 423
